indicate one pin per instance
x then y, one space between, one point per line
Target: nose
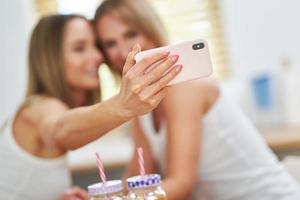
97 56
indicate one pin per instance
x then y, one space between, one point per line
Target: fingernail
166 53
136 47
178 68
175 58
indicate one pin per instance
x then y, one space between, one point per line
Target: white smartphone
194 56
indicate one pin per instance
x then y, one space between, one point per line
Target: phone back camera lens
198 46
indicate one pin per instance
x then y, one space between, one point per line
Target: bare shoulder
30 122
35 108
196 96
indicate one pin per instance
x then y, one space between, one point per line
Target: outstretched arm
63 128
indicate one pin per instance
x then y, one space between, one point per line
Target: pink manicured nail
166 53
175 58
136 47
178 68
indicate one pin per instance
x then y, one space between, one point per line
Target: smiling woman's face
81 59
117 39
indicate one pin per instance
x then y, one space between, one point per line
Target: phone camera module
198 46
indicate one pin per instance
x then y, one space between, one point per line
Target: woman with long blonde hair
62 111
197 138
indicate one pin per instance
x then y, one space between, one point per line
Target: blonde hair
46 70
138 14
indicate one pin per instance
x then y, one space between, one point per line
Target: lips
92 72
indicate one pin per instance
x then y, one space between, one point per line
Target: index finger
145 63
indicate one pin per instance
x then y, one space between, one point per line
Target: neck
78 97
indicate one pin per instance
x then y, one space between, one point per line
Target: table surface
282 138
116 150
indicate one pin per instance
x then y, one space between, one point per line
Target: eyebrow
79 41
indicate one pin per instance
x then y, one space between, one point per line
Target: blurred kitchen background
255 50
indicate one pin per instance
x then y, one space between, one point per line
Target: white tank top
24 176
235 162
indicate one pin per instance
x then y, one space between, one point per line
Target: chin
90 85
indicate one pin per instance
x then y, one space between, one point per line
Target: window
194 19
45 7
83 7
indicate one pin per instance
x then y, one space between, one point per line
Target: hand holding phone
193 55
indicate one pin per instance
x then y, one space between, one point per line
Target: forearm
80 126
140 140
178 189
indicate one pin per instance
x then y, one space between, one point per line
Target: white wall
259 33
16 20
